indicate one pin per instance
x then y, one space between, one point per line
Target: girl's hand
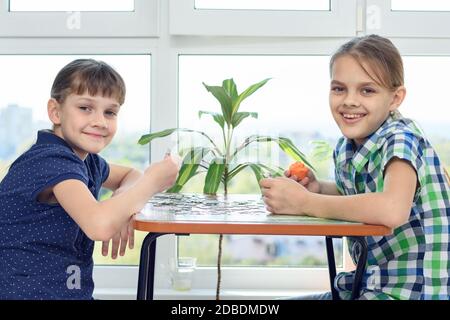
309 182
164 173
283 196
121 238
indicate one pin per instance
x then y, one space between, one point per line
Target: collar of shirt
48 137
358 157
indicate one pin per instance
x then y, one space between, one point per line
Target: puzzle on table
178 203
230 208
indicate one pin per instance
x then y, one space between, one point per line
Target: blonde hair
378 53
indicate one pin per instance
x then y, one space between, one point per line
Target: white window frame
142 22
382 20
338 22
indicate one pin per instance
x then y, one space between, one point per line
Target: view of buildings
17 130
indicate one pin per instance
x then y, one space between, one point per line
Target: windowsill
229 294
200 294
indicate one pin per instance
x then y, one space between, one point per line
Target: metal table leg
331 267
360 267
147 267
146 278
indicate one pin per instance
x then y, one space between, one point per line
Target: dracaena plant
219 160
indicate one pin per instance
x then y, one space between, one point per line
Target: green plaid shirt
413 262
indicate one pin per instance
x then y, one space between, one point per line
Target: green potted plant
218 161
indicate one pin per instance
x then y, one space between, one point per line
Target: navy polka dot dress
43 253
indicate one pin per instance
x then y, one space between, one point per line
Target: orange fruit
298 169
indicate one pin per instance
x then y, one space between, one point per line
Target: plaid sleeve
338 181
403 145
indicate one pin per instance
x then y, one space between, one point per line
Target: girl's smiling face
359 105
87 123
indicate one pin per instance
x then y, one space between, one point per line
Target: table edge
199 227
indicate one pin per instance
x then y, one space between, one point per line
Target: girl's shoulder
400 130
46 156
340 147
50 151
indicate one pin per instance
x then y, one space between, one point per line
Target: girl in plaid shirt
386 173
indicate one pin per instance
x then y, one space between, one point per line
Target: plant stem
228 140
219 273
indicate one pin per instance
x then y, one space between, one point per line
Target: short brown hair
91 76
380 54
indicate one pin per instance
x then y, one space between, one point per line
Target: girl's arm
328 187
391 207
101 220
121 177
311 183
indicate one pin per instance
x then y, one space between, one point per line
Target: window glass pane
424 100
23 110
293 104
264 4
71 5
420 5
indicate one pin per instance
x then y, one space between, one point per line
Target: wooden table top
237 214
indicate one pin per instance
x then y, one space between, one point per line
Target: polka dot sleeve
53 166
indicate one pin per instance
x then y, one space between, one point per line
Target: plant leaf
216 116
246 93
190 165
225 101
291 150
322 150
257 170
160 134
149 137
230 88
174 189
274 172
236 170
284 143
239 116
214 176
